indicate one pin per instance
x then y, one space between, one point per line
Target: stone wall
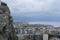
6 23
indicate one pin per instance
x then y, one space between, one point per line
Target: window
20 31
29 31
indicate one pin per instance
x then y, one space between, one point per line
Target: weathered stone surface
1 37
6 23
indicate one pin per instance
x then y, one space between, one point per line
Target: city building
35 31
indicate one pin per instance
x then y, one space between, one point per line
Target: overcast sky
34 10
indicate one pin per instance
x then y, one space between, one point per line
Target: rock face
6 23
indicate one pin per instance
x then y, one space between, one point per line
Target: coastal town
10 30
27 31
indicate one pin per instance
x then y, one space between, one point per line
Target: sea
55 24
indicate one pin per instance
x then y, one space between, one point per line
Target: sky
34 10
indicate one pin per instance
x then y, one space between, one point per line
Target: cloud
29 10
18 6
30 5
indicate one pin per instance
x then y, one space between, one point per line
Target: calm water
56 24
